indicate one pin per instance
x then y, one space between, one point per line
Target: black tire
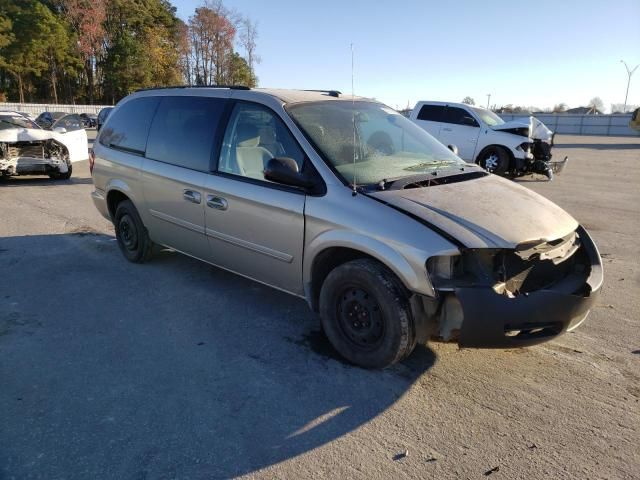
133 238
63 176
495 160
365 314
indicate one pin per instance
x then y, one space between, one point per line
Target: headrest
267 135
247 135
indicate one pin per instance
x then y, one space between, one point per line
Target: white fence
575 124
38 108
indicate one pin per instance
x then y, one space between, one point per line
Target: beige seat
251 158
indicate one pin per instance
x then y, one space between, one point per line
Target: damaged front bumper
33 158
480 317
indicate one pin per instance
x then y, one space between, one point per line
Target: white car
28 149
511 148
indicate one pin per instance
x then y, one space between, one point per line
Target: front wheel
495 160
365 314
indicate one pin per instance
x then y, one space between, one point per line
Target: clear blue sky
535 52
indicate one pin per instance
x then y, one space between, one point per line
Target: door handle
191 196
218 203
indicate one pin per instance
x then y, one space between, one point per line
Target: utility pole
629 73
488 99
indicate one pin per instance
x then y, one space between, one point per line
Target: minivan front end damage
33 157
500 298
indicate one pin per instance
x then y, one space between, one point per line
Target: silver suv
345 203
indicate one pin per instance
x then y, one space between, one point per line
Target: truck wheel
132 236
365 314
494 160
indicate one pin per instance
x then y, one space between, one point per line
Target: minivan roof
285 95
453 104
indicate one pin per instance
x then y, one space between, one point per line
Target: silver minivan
346 203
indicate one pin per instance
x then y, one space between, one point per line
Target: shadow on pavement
42 181
167 369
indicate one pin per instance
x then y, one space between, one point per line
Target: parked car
634 123
27 149
349 205
89 120
47 119
513 148
102 117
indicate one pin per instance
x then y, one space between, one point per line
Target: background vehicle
512 148
102 117
635 120
47 119
89 120
27 149
348 204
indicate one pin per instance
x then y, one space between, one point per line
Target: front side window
367 142
128 127
254 136
184 130
459 116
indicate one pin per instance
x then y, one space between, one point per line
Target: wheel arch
321 259
495 145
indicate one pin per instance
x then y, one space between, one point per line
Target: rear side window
459 116
184 130
432 113
128 127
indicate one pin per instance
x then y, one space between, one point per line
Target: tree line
98 51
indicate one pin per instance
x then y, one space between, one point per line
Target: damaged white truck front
27 149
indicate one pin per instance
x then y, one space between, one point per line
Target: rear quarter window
128 125
184 130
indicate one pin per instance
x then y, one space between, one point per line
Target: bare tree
559 107
248 37
596 105
468 101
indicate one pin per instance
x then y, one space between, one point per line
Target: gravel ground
175 369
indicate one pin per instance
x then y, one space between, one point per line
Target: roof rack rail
232 87
331 93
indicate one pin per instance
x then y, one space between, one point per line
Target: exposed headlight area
514 297
530 267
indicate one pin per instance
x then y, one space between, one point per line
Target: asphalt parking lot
175 369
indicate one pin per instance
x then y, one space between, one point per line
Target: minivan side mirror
60 130
285 170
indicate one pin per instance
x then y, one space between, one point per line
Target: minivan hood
487 212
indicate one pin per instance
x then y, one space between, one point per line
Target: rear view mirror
285 170
60 130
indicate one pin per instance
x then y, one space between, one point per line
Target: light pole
488 99
629 73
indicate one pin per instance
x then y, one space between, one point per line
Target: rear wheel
132 236
365 314
495 160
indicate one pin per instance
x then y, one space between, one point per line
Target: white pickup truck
513 148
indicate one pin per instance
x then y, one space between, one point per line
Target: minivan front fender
411 273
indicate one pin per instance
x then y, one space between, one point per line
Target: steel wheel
359 318
128 232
